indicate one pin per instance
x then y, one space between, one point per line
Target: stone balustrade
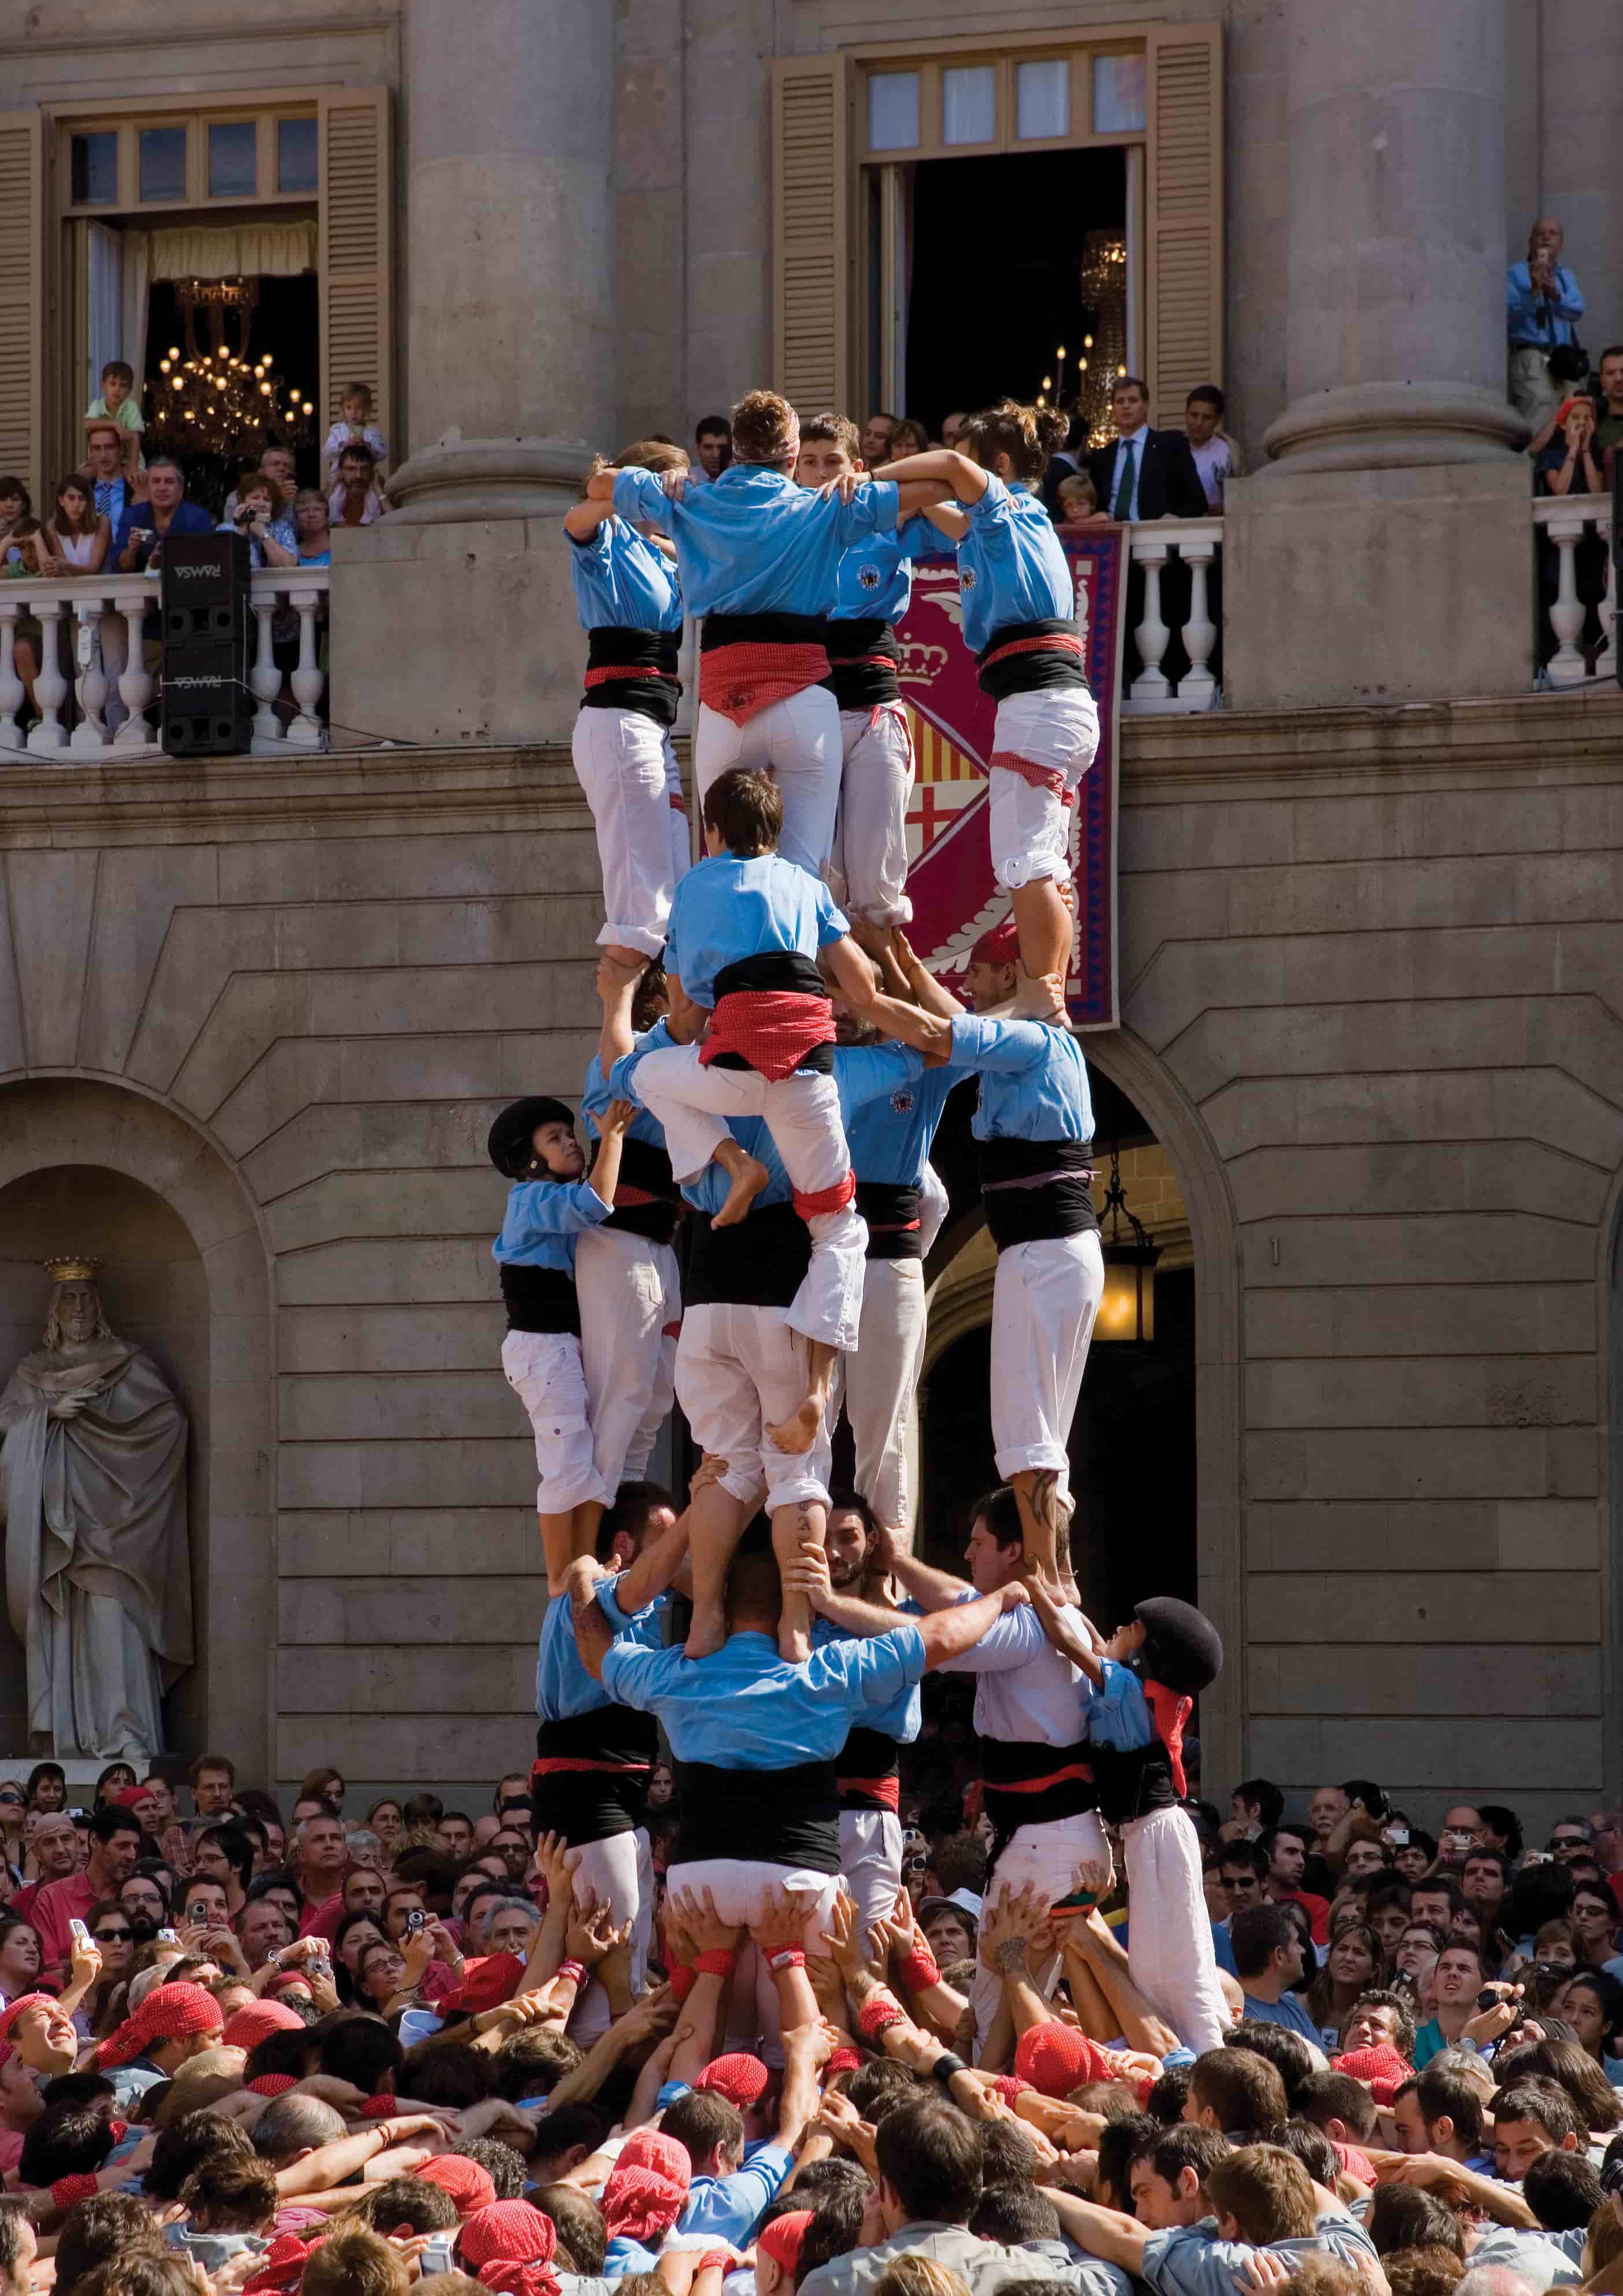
1194 544
1566 521
95 622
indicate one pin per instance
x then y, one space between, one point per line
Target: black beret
508 1145
1182 1647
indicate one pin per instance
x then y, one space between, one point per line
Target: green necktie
1124 484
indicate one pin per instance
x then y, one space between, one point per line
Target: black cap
508 1145
1182 1647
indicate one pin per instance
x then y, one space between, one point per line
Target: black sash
1030 1783
654 696
1131 1784
591 1804
863 662
539 1299
645 1167
778 1817
762 630
761 1262
1037 666
1049 1208
867 1758
891 1209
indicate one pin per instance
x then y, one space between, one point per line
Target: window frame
262 112
931 58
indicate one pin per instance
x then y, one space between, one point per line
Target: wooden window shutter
811 250
1184 219
21 297
358 252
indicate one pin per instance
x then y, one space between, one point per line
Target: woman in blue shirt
629 597
1019 620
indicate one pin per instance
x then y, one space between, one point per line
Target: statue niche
92 1497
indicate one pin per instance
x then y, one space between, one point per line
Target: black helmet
1182 1648
508 1145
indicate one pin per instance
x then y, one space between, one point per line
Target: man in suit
1147 474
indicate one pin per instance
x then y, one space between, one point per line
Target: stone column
1385 553
452 617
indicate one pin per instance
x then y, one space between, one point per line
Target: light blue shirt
708 1192
563 1688
727 909
876 578
1120 1713
622 581
1033 1080
1290 2010
1532 319
542 1221
904 1717
1544 2259
1011 565
726 2207
1190 2261
1134 443
753 542
890 1134
596 1096
746 1708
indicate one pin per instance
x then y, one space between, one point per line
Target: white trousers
798 743
739 1371
627 769
693 1102
1169 1955
630 1298
878 1386
1056 727
1048 1855
870 860
619 1871
739 1886
1045 1298
871 1861
544 1371
934 1204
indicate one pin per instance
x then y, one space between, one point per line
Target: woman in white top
74 540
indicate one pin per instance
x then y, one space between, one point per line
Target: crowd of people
248 2049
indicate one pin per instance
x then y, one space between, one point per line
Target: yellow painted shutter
1184 221
21 297
356 251
811 197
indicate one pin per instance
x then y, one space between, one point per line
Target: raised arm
948 1634
616 1037
593 1636
1071 1635
931 1589
923 984
611 1139
582 520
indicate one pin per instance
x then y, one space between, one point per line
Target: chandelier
218 400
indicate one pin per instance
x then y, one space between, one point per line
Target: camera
416 1921
1612 2178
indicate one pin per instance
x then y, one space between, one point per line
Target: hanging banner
950 883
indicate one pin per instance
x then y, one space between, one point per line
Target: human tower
775 1057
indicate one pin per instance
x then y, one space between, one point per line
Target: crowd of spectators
247 2045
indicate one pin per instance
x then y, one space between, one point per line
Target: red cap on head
511 2247
644 2195
256 2023
1057 2059
487 1979
468 2184
781 2238
740 2078
999 945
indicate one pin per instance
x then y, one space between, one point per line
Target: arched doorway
97 1168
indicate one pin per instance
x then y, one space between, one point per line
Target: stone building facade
260 1013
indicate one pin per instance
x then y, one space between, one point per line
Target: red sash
739 681
773 1029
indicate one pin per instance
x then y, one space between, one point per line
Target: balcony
86 618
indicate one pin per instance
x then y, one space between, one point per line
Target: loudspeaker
206 707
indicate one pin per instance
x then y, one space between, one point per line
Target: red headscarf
256 2023
1381 2067
1057 2059
487 1979
169 2014
781 2238
468 2184
511 2246
740 2078
645 2195
14 2009
999 945
280 2268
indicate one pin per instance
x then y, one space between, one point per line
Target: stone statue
92 1494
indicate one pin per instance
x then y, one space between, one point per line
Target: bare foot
799 1431
873 937
708 1632
747 1181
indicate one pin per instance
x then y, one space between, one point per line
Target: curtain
137 253
233 251
105 301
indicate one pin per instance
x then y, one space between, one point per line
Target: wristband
681 1980
787 1957
718 1961
919 1970
844 2060
721 2259
877 2014
946 2066
66 2190
1010 2086
575 1971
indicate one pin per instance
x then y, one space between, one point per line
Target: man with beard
146 1907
